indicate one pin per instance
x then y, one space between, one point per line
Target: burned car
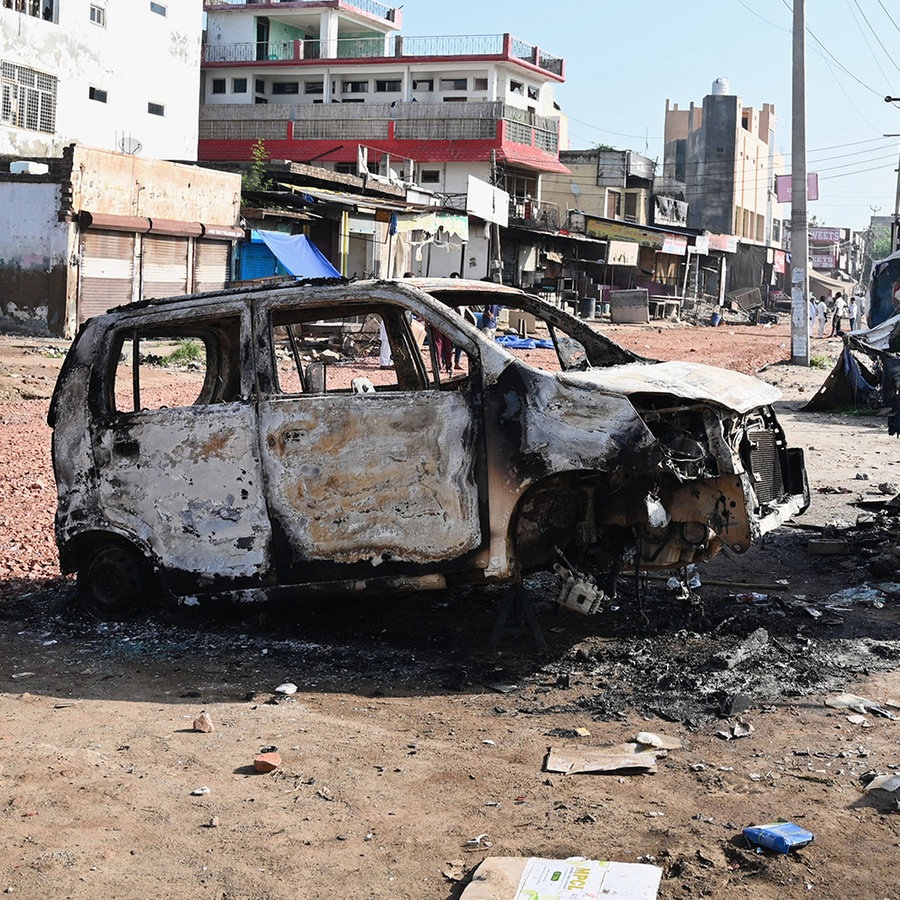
283 454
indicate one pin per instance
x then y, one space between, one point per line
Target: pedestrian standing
837 314
822 315
813 311
852 313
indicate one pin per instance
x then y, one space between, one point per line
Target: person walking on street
837 314
822 315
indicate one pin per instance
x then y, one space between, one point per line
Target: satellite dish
130 145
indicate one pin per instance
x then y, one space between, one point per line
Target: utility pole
799 222
895 225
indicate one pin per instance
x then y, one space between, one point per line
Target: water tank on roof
720 87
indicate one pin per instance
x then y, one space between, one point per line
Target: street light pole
799 221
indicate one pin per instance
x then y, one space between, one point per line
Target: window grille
27 98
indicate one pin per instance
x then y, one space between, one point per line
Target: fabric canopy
299 255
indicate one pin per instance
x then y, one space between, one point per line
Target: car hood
689 381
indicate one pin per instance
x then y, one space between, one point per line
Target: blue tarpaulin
299 255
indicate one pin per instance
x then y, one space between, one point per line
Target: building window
97 94
156 109
285 87
430 176
423 84
354 87
260 100
455 99
532 93
98 15
218 85
345 168
158 8
516 87
239 85
353 100
388 86
479 84
313 87
454 84
27 98
259 86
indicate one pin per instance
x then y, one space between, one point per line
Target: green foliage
881 242
188 351
820 362
257 179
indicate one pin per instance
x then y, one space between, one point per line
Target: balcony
499 46
375 121
539 215
372 7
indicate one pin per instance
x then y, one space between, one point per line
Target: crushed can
781 837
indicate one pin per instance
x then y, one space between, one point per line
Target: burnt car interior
548 338
210 349
422 356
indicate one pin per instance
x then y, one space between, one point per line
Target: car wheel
114 582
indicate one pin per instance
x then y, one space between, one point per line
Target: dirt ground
411 751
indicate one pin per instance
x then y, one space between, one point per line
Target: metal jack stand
519 604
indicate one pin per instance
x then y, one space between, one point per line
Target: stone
267 762
203 723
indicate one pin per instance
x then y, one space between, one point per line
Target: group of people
821 313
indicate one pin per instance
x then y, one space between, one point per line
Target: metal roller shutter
211 265
107 272
164 268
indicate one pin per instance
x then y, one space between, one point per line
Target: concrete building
616 184
724 154
118 76
93 229
333 82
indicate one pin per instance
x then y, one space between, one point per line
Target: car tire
115 581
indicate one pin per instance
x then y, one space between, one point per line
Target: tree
257 179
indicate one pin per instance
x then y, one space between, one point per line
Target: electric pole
799 220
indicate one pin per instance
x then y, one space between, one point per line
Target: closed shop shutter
164 271
107 272
211 265
258 261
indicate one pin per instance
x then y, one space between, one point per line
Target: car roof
464 285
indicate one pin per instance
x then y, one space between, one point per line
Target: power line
880 44
890 17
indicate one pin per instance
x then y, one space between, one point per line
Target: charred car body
277 468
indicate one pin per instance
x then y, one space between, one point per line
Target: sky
625 59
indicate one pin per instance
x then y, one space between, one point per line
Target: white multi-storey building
115 74
315 79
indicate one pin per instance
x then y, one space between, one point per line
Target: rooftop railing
398 46
373 7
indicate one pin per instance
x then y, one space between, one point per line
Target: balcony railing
373 7
398 46
370 121
541 215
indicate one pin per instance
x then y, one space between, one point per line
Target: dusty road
407 739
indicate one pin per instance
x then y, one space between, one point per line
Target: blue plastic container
779 836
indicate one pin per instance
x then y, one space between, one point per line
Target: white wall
137 57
